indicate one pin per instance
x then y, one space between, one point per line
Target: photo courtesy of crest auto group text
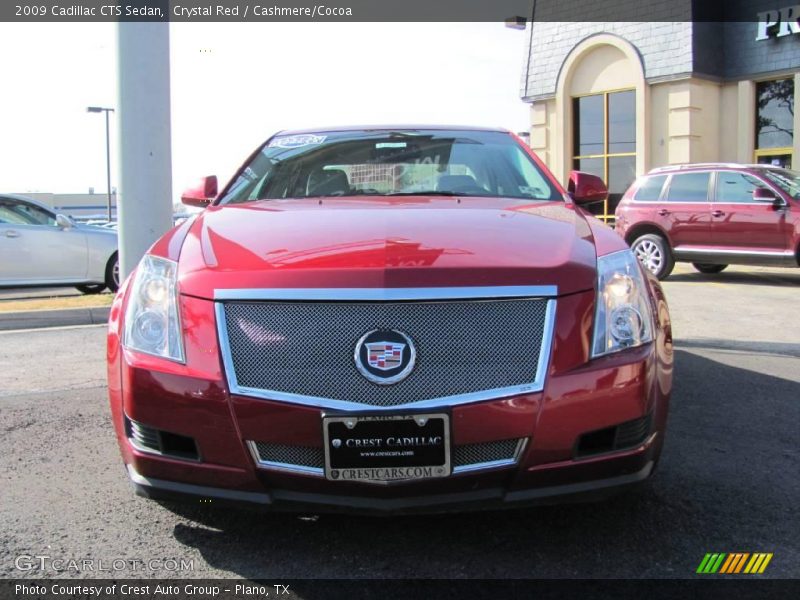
340 301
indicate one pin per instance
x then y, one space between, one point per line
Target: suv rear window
650 190
688 187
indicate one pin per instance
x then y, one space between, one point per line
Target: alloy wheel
115 272
650 255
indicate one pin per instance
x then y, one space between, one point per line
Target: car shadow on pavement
726 483
754 346
785 277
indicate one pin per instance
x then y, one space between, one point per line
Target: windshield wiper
426 193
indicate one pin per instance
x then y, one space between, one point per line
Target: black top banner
514 12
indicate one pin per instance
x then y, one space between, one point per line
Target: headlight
152 323
623 318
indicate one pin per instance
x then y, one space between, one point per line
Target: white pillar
143 134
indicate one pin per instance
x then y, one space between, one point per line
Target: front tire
91 288
112 273
654 253
709 269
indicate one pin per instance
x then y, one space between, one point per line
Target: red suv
712 215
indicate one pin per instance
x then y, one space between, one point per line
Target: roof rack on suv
710 165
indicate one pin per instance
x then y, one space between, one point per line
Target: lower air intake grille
632 433
620 437
302 456
155 441
144 436
467 456
472 454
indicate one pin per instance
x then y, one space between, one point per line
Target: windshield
22 213
788 181
391 163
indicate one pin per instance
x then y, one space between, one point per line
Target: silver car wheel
650 255
115 272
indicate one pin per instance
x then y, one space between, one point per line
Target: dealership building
619 98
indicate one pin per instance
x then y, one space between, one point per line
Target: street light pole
97 109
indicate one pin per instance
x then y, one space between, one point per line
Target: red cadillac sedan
390 319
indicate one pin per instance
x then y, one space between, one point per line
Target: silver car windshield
391 163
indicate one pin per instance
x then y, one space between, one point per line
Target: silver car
40 247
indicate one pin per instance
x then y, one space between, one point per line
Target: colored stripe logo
733 563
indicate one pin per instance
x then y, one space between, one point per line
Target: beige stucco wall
728 123
745 121
543 129
602 68
690 125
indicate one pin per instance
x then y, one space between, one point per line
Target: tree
781 93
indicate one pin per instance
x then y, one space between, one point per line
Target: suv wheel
653 252
709 269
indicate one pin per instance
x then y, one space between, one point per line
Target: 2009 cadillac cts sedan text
390 320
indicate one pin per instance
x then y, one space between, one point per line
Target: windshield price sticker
297 141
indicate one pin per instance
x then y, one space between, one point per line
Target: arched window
604 142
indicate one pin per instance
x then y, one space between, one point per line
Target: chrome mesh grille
471 454
463 456
304 456
306 348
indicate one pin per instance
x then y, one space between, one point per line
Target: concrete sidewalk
29 293
34 319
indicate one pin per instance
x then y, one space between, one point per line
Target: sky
235 84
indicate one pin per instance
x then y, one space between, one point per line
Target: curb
35 319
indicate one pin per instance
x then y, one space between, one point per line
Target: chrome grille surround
308 460
512 325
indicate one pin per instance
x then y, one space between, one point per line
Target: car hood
374 242
96 229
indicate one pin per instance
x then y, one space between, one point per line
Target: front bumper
292 501
578 397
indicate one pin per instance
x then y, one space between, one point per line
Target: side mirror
767 195
201 194
585 188
63 221
761 194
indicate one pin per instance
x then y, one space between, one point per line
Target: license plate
380 448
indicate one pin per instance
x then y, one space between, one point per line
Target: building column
643 160
746 122
539 132
682 130
143 134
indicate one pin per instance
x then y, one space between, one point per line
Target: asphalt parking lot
727 482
